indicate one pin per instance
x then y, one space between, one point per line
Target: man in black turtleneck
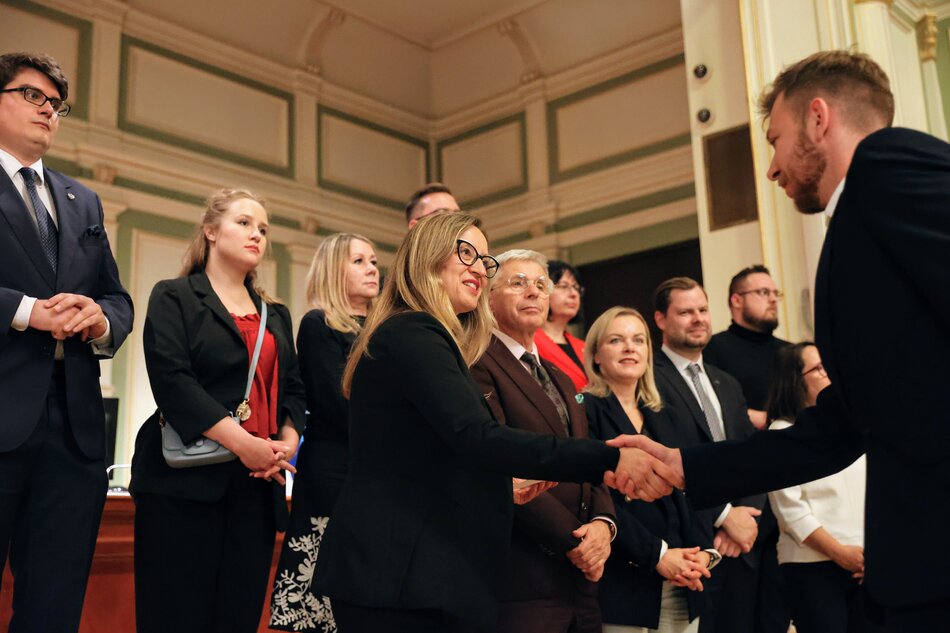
747 351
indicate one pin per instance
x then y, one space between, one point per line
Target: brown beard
811 166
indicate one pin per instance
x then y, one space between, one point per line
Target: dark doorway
630 280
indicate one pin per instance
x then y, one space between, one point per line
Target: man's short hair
857 84
661 298
740 276
13 63
432 187
520 255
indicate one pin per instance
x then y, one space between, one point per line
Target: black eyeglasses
765 293
468 256
566 287
38 98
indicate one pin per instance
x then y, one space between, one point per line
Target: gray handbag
204 451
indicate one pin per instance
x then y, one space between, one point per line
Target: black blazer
85 267
424 518
631 589
882 321
537 565
197 366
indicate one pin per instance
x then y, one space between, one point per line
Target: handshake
646 470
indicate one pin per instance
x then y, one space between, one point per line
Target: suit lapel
664 365
619 421
202 287
823 295
527 384
565 387
17 214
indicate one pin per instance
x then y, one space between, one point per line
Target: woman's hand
851 557
524 494
683 567
284 448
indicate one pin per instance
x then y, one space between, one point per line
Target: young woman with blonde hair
204 535
342 286
661 554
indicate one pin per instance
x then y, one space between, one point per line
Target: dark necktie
44 223
544 379
712 418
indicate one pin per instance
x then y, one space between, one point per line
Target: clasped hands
646 470
65 315
267 458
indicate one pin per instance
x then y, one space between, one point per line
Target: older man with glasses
560 540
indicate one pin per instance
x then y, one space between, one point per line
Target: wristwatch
714 557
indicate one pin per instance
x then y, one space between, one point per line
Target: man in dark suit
561 539
61 307
707 406
888 191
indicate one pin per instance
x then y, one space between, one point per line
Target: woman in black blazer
660 554
342 285
420 532
204 536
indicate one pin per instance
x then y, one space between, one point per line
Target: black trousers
578 614
51 499
824 598
356 619
203 567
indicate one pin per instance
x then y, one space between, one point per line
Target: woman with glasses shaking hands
421 529
555 344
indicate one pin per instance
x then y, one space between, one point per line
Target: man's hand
758 418
684 567
725 545
524 494
52 321
592 553
740 525
90 320
647 477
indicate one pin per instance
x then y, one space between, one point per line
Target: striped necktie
49 236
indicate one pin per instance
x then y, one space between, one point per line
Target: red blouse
263 398
551 352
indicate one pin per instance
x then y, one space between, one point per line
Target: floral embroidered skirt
294 605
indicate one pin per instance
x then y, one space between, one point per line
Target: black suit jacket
85 267
197 366
631 589
882 318
688 416
537 565
424 518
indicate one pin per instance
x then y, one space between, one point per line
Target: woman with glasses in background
820 549
555 344
342 285
419 535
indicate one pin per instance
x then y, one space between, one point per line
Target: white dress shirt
681 363
21 318
835 502
833 200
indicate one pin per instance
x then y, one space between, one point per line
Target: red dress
263 398
552 352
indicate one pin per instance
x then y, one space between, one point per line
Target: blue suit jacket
86 267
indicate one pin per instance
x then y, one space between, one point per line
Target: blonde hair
196 256
647 393
415 285
326 282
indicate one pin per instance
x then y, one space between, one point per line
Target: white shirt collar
12 165
681 362
833 200
516 348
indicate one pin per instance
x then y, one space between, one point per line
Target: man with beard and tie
747 352
888 193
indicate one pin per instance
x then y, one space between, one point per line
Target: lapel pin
71 196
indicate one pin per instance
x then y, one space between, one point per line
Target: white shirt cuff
102 345
21 319
610 522
722 516
664 548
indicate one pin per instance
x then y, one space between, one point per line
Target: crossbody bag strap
257 350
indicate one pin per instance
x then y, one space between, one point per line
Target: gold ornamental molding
927 37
